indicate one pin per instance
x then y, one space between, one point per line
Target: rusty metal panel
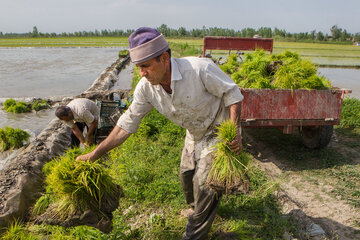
266 107
237 43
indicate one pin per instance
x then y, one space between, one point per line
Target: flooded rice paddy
48 72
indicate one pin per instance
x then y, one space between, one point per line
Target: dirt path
305 193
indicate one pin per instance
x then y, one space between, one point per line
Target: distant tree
278 32
356 37
164 30
312 35
335 32
320 36
35 32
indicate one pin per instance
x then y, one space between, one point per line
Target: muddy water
344 78
46 73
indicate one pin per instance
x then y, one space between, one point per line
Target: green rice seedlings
278 71
10 105
123 53
9 102
16 231
231 64
11 138
228 172
75 186
38 105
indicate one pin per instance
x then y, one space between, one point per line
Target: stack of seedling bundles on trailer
277 71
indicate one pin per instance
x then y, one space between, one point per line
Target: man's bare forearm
78 134
235 113
92 128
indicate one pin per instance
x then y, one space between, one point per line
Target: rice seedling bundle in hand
228 172
74 188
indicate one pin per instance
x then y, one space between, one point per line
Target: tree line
336 33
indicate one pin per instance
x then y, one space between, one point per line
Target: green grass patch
11 138
350 113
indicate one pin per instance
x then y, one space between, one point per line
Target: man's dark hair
62 111
168 51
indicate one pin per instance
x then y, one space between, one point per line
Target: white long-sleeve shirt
201 94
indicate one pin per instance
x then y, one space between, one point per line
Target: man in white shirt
77 114
193 93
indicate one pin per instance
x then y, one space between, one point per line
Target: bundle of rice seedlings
123 53
10 105
38 105
228 172
11 138
76 186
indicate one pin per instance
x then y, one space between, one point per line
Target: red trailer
237 43
312 112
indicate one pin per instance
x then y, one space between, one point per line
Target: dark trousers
75 142
195 165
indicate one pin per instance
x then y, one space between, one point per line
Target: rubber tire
316 137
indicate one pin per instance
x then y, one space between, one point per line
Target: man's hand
115 138
236 144
85 144
86 157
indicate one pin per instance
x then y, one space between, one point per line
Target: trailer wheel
316 136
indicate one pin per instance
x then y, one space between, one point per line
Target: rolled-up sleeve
221 85
132 117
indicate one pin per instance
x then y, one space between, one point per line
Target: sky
19 16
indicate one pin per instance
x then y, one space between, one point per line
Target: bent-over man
193 93
78 114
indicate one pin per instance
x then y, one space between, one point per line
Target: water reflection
344 78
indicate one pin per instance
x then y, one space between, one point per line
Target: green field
319 53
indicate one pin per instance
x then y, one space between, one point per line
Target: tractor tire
316 137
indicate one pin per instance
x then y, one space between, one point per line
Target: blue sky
78 15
